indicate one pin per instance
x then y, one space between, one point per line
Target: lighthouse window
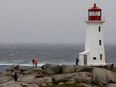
99 29
94 58
92 13
95 13
99 42
100 56
99 13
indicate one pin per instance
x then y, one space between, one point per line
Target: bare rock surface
103 76
11 84
111 85
51 68
28 85
27 78
51 74
68 69
5 79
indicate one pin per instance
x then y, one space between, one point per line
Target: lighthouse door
85 59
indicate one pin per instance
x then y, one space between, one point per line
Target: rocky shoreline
51 75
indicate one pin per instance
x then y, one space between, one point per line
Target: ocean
22 54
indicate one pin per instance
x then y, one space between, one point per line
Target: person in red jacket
36 62
33 61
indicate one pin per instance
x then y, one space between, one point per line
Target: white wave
10 64
16 62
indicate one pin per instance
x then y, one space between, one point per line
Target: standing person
36 62
33 61
15 76
112 66
77 60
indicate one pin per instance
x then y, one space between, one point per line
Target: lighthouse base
97 64
86 60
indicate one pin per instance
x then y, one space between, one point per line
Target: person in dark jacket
15 76
77 60
112 66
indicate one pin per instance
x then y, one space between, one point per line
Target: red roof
94 8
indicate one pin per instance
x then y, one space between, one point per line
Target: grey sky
52 21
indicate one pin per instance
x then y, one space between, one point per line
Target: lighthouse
94 53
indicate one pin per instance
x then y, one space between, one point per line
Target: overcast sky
52 21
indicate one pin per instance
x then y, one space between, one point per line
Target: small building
94 53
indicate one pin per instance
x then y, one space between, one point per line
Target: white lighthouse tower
94 53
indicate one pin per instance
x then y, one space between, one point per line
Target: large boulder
48 80
39 81
77 77
27 78
73 77
11 84
103 76
32 85
84 68
27 72
87 80
111 85
68 69
78 68
85 74
86 77
28 85
37 70
17 67
51 68
5 74
58 77
5 79
71 81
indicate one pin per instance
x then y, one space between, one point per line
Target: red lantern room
94 13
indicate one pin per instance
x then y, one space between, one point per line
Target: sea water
22 54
